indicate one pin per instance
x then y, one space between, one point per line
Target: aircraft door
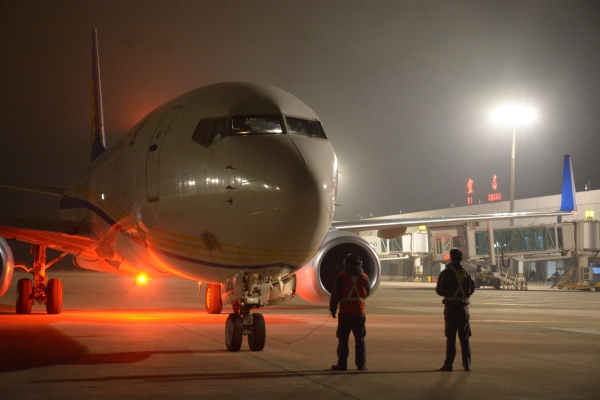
153 157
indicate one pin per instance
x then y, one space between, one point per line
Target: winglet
568 202
98 135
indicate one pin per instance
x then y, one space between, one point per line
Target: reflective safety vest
354 294
460 293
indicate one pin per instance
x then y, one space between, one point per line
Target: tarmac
120 341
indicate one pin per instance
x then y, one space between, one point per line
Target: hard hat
352 259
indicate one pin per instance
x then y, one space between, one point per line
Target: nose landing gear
42 290
246 291
251 325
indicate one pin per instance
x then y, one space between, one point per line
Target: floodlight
514 114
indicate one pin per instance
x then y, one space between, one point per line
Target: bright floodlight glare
514 114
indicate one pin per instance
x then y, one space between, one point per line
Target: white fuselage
159 202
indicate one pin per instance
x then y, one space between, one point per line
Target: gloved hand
333 314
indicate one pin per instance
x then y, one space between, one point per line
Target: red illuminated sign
469 191
494 196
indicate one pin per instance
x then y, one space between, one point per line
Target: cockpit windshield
307 127
255 125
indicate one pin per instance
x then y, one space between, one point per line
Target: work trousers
456 317
354 323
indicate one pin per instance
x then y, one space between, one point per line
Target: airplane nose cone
289 193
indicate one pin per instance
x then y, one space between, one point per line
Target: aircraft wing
67 236
389 228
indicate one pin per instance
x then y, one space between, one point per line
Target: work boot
363 368
467 367
445 368
336 367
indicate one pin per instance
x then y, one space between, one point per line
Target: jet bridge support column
521 279
490 229
584 277
520 268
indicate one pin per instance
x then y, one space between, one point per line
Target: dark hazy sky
403 88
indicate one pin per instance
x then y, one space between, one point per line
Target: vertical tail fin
568 202
98 135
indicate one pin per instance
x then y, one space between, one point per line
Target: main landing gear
240 323
42 290
212 299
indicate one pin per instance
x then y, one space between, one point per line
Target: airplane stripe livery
232 185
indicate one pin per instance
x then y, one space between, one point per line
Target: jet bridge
413 245
502 267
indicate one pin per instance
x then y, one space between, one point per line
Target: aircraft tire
496 283
54 296
212 299
256 340
234 332
24 299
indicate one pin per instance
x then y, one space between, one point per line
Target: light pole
513 115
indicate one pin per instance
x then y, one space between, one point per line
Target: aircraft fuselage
242 190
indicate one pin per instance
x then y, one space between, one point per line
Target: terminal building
537 247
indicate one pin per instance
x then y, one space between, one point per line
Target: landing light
141 279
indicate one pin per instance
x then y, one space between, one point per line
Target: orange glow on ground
150 316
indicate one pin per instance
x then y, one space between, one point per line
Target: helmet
352 259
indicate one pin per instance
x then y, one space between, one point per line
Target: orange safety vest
354 293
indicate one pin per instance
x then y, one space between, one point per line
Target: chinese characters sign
495 195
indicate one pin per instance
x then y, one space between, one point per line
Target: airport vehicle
232 184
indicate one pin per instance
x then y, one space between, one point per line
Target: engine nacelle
7 266
314 281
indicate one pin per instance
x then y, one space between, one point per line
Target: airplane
232 184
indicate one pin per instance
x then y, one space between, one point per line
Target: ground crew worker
456 285
350 289
556 277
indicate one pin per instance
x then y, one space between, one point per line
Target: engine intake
7 266
315 280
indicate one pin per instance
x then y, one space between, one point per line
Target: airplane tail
568 201
98 135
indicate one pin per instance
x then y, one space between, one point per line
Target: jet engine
314 281
7 266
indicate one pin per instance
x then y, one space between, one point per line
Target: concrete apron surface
120 341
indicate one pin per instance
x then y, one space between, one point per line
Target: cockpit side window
256 125
306 127
219 131
210 130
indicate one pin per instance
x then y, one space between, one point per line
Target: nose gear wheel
256 339
234 331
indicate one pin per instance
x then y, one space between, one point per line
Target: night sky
404 88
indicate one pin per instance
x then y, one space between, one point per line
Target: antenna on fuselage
98 135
